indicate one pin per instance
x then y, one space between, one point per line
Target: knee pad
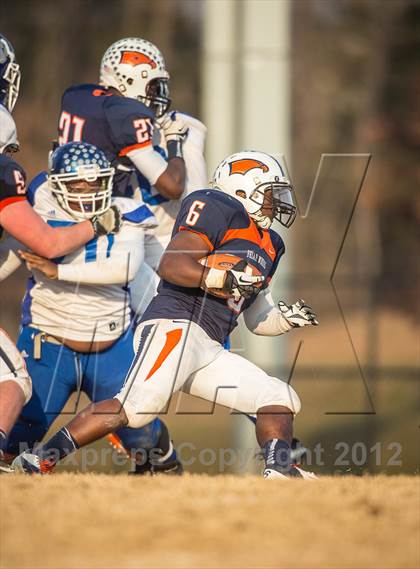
24 382
13 367
280 393
136 417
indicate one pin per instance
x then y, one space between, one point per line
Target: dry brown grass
99 521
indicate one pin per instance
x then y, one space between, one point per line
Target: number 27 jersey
115 124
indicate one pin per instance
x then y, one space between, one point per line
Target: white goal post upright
246 105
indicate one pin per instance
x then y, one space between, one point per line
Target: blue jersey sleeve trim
153 200
138 215
34 185
27 302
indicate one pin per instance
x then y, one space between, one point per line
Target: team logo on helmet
244 165
137 58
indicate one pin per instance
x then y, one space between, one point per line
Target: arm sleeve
9 258
263 318
149 162
193 151
143 288
119 268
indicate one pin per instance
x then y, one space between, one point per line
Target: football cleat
292 472
30 463
5 468
170 466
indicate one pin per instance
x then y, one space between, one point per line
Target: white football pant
178 355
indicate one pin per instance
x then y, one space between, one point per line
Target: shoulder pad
277 241
125 106
135 212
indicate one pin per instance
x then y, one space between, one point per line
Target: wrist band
215 278
175 148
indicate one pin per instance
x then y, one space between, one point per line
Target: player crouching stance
226 229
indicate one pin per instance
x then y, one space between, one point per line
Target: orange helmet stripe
137 58
245 165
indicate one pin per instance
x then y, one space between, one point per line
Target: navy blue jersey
12 182
115 124
223 223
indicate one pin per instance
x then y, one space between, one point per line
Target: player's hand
240 284
35 262
108 222
298 314
173 126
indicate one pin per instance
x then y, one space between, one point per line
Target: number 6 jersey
223 224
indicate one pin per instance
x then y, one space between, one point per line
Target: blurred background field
354 92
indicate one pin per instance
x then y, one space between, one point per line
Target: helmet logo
137 58
245 165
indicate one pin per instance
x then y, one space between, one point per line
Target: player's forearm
263 318
181 269
171 183
114 270
25 225
63 240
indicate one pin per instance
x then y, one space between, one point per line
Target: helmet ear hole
241 194
130 81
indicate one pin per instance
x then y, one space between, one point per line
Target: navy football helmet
9 75
81 179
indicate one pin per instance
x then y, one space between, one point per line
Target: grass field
98 521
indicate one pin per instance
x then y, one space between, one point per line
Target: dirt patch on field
97 521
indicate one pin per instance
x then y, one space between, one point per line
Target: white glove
173 126
298 314
242 285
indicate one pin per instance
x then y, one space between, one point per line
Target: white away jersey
90 299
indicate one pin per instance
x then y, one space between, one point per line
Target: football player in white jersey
18 219
76 326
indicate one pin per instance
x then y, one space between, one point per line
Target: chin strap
263 221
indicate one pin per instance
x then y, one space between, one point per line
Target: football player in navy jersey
118 115
181 333
19 219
